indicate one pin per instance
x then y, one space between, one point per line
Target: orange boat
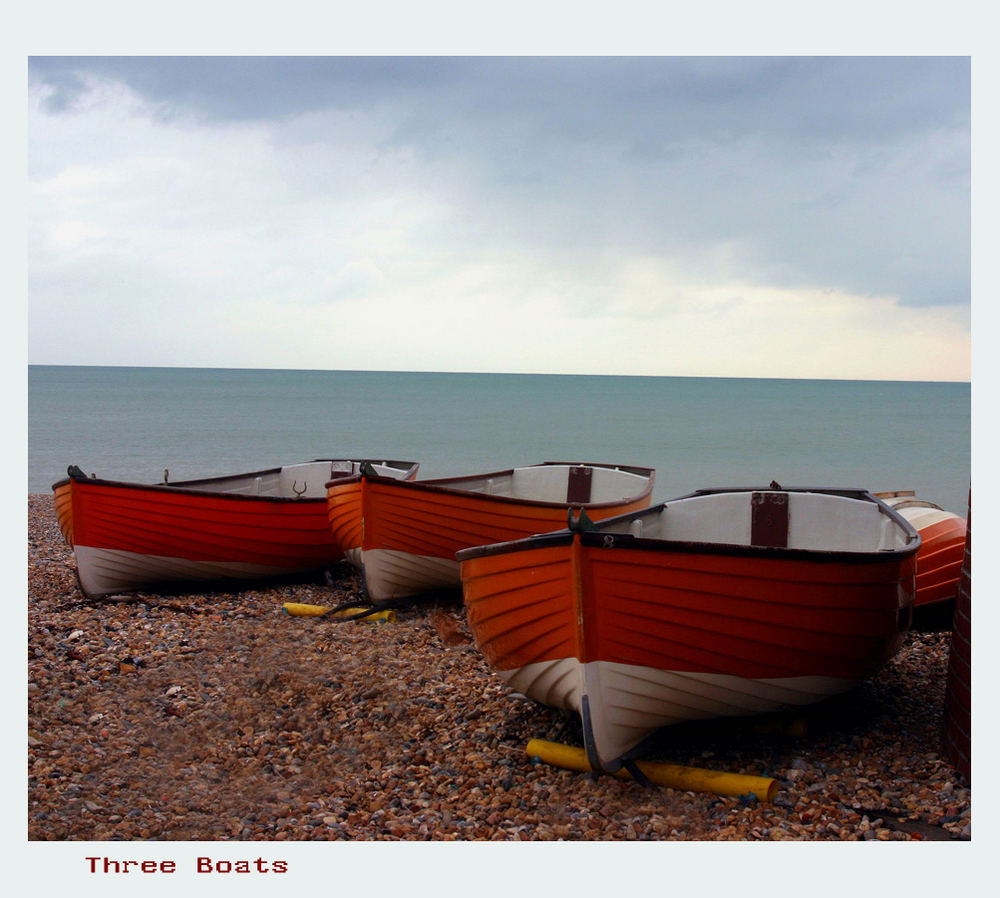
127 536
404 535
725 602
939 561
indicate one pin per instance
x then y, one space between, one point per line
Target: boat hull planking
129 536
636 633
405 535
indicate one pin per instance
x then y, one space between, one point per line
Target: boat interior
562 483
766 518
307 480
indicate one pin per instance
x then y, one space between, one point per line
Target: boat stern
63 497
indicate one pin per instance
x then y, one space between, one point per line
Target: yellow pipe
299 610
690 779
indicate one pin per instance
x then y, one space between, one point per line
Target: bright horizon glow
487 373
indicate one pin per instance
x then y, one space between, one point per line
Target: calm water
131 423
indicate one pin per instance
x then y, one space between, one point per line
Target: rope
369 607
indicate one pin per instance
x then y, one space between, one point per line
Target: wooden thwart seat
578 484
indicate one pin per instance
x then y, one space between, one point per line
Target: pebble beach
211 714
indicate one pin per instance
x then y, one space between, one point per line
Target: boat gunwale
438 485
599 537
189 488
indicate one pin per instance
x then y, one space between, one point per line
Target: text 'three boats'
404 534
725 602
127 536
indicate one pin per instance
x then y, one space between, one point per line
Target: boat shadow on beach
934 618
340 582
888 706
891 707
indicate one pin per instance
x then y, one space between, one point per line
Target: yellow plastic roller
690 779
299 610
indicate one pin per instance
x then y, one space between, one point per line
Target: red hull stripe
344 513
745 616
293 533
939 561
439 523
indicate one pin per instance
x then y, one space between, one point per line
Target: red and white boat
726 602
128 536
404 534
942 548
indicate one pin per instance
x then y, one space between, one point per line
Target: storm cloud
630 192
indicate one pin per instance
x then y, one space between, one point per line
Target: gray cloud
844 172
649 101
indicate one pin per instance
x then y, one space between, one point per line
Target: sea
125 423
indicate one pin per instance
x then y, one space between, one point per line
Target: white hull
353 556
922 517
920 513
390 574
626 703
106 571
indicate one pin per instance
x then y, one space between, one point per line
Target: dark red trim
441 485
191 487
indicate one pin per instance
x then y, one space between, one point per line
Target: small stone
302 730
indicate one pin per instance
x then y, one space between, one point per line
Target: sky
742 216
706 215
